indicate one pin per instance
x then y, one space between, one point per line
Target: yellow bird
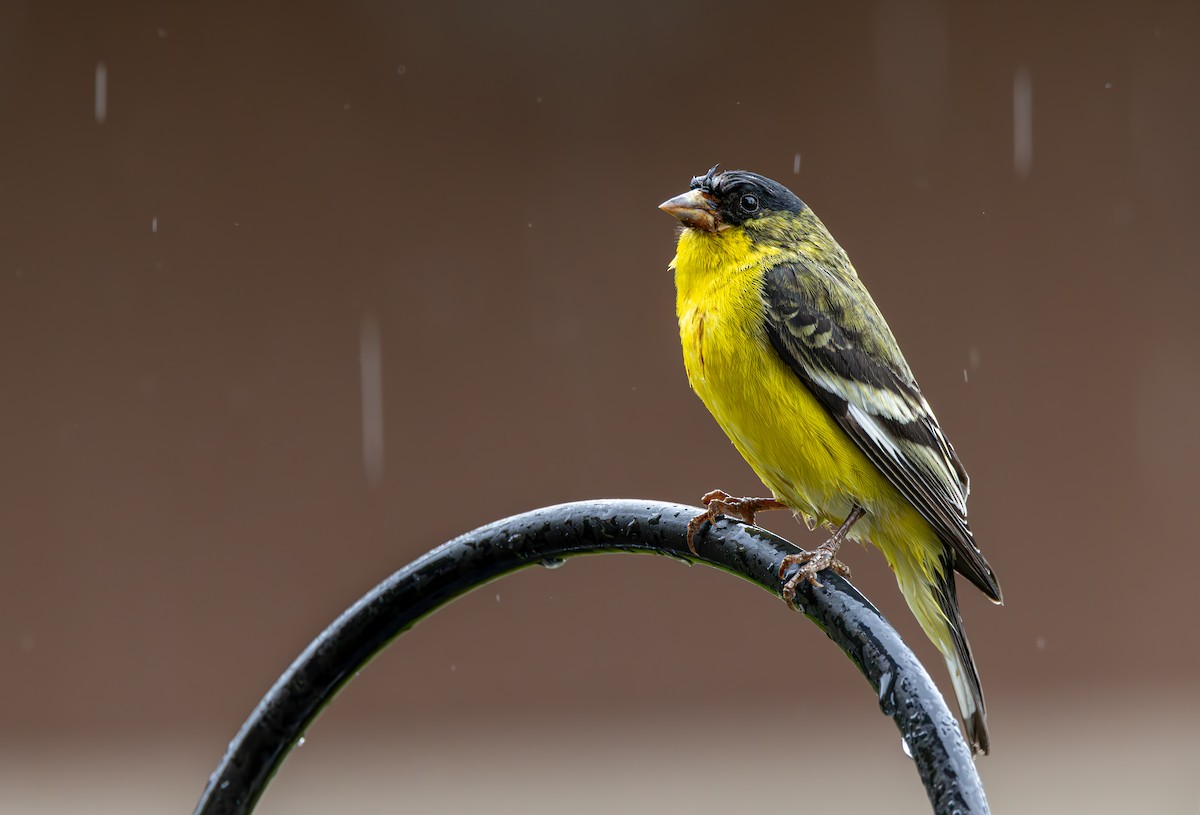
790 354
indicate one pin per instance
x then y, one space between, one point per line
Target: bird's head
719 201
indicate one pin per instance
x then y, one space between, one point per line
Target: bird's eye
749 203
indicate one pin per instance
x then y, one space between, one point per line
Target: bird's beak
695 208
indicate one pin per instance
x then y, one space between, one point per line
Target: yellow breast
781 430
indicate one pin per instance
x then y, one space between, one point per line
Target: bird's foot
723 505
821 558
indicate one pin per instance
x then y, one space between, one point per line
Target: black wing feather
819 348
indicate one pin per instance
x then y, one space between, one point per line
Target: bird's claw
810 563
720 504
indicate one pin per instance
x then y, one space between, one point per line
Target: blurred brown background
291 294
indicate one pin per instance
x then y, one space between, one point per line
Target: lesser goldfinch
790 354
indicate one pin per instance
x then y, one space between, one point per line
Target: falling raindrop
370 358
154 225
101 92
1022 122
796 165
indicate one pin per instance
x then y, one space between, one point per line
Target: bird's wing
846 356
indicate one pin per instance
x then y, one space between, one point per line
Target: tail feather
932 597
961 665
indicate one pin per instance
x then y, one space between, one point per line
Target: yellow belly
776 424
798 450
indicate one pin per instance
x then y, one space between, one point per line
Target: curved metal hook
906 692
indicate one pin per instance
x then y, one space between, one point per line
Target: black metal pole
545 536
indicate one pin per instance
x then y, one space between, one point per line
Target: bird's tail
961 664
934 602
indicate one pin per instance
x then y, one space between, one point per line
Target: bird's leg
723 505
820 558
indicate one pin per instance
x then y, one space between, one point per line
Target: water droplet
1022 122
101 97
300 741
553 562
370 366
654 520
887 702
904 746
1040 643
497 598
796 165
